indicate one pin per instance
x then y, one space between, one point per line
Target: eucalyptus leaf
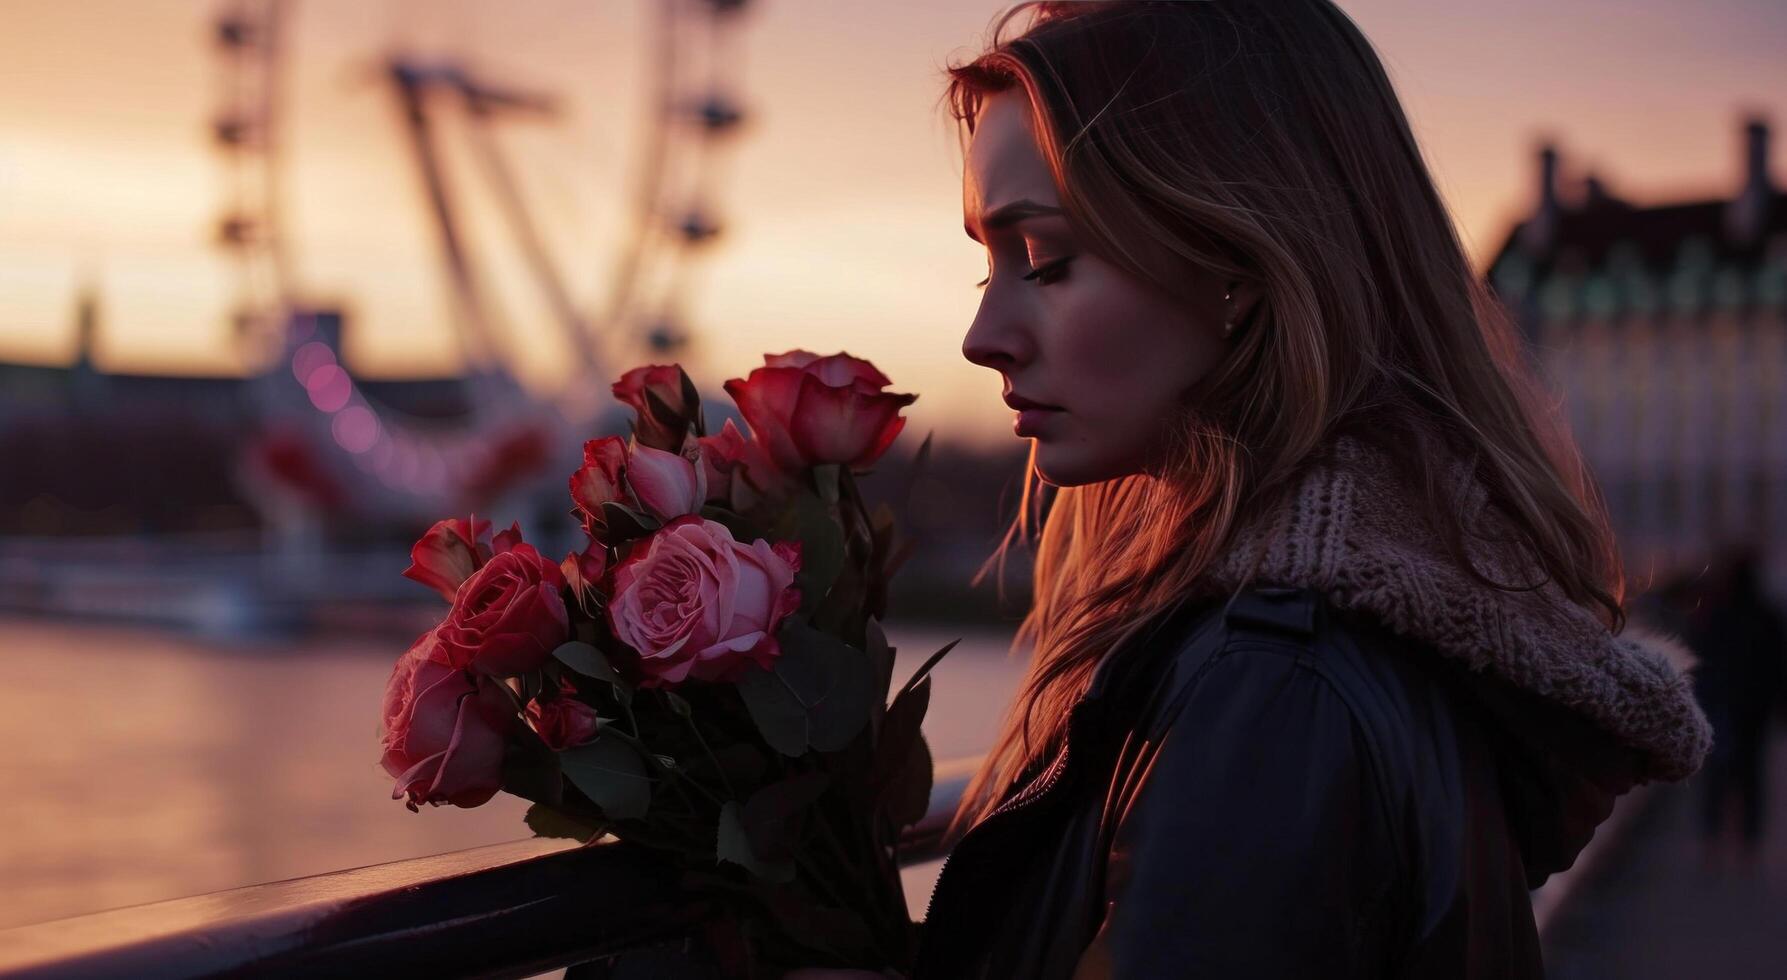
732 843
585 659
818 693
611 773
775 815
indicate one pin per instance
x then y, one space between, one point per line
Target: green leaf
611 774
907 796
692 401
807 519
742 763
531 770
550 821
881 663
775 815
825 480
902 759
733 843
924 669
623 523
679 705
586 660
817 694
841 611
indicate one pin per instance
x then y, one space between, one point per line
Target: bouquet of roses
708 677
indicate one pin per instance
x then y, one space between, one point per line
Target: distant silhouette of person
1742 644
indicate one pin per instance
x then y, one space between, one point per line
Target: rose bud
564 721
583 569
506 540
694 602
599 481
665 484
444 733
737 469
666 403
806 410
448 554
509 617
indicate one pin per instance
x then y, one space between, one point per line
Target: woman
1330 664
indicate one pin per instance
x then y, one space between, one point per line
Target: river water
141 765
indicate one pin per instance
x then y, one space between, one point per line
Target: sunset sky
841 202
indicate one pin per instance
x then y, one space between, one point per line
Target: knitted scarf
1352 531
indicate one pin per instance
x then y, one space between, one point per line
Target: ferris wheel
329 437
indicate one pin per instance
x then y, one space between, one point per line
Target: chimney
1747 214
1540 229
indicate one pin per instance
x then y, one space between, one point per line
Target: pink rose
448 554
694 602
665 400
563 721
509 617
444 732
662 484
805 410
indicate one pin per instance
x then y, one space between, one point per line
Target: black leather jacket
1270 788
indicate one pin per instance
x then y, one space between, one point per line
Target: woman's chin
1061 467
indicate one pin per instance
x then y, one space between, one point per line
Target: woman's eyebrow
1010 214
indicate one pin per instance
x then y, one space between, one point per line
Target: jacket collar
1348 529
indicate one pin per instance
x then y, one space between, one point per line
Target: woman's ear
1244 296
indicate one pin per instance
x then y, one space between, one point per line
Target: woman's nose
993 341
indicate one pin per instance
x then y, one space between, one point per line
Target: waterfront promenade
1659 910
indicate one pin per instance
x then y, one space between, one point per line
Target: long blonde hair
1262 141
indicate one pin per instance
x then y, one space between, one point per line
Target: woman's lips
1031 422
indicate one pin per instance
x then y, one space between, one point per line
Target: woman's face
1096 363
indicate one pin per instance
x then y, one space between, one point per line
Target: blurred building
1664 330
94 452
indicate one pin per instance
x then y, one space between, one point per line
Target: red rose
444 731
509 617
563 721
666 403
805 410
598 480
694 602
448 554
506 540
734 466
662 484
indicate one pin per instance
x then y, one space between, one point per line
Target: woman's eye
1052 272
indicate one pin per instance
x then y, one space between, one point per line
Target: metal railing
504 910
